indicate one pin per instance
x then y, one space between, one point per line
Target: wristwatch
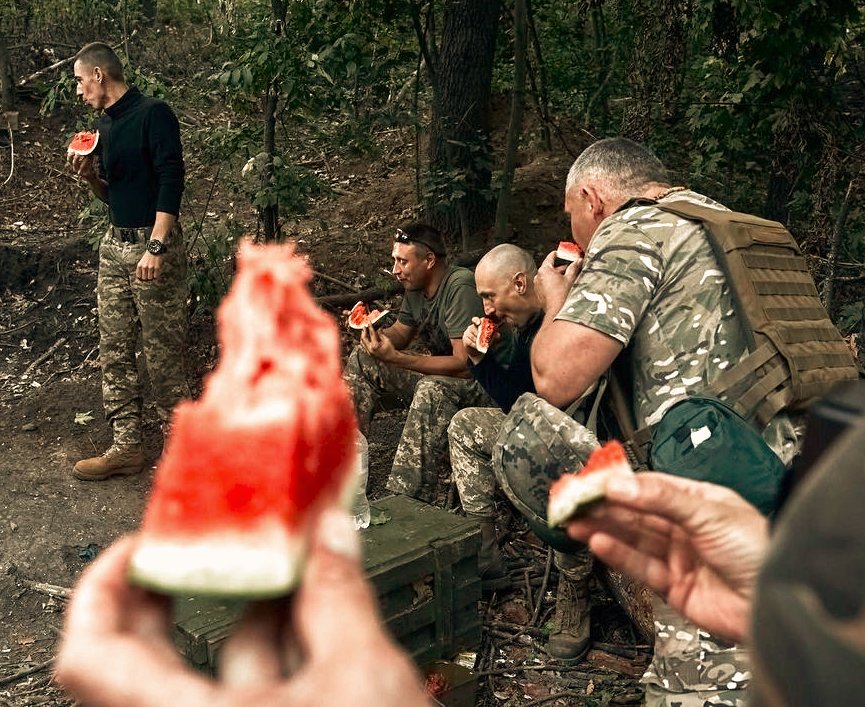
156 247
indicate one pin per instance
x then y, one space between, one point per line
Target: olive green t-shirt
445 315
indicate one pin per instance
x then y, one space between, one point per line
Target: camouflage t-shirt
445 315
651 281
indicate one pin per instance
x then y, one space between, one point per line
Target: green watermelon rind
574 494
231 563
80 151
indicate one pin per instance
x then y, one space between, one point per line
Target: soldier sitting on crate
439 303
505 282
652 283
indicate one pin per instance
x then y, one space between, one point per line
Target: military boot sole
118 471
565 653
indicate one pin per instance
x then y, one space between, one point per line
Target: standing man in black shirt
137 169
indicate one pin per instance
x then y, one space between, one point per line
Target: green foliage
289 187
851 318
211 258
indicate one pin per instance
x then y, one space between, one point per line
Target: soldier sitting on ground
505 282
439 303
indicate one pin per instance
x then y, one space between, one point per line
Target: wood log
367 295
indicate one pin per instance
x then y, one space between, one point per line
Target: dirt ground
52 525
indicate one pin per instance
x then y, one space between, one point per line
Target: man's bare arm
399 334
380 346
567 358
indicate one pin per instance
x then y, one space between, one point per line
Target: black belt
129 235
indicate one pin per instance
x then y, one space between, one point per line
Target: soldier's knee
460 422
429 390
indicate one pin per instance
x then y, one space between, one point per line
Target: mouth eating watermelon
360 318
83 143
486 331
572 494
249 465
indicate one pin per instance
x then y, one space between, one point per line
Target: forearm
99 187
431 365
163 225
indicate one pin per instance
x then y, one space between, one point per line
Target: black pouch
701 438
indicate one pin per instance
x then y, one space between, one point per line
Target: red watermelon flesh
360 318
83 143
573 493
249 465
486 331
568 251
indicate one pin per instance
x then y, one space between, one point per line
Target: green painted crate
423 565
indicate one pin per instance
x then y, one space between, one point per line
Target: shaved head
506 260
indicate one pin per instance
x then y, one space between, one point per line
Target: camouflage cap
536 444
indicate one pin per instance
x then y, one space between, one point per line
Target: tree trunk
7 80
148 11
459 133
270 213
516 122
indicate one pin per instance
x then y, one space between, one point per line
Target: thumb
335 606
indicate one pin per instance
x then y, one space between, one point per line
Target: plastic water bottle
360 508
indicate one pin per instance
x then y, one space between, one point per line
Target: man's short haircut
511 258
101 55
423 235
623 165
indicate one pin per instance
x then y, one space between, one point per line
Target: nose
489 309
395 269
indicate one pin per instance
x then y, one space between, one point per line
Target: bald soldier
505 282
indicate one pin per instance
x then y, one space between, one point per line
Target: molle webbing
795 352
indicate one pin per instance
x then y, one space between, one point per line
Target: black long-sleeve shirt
141 159
506 380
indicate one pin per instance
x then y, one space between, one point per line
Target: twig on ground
529 595
27 671
44 357
543 590
52 590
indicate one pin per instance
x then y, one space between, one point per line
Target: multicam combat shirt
651 281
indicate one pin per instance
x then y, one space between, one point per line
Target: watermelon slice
360 318
568 252
272 439
486 331
83 143
572 494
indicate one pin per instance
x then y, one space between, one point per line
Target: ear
431 259
98 74
520 283
594 200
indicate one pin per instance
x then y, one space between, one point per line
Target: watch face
156 247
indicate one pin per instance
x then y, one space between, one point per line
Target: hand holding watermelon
697 544
552 283
479 336
117 651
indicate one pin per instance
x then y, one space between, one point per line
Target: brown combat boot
116 461
570 638
492 567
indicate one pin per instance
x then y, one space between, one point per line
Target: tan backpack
795 352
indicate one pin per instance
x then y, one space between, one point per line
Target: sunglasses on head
401 236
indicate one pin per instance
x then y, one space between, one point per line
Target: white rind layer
581 491
263 561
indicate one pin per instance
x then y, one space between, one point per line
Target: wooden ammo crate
423 564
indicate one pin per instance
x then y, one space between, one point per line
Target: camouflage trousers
691 668
156 311
471 436
431 401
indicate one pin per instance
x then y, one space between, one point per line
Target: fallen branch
366 295
44 357
333 280
57 64
27 671
52 590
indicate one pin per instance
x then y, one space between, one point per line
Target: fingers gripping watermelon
572 494
83 143
568 252
249 465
